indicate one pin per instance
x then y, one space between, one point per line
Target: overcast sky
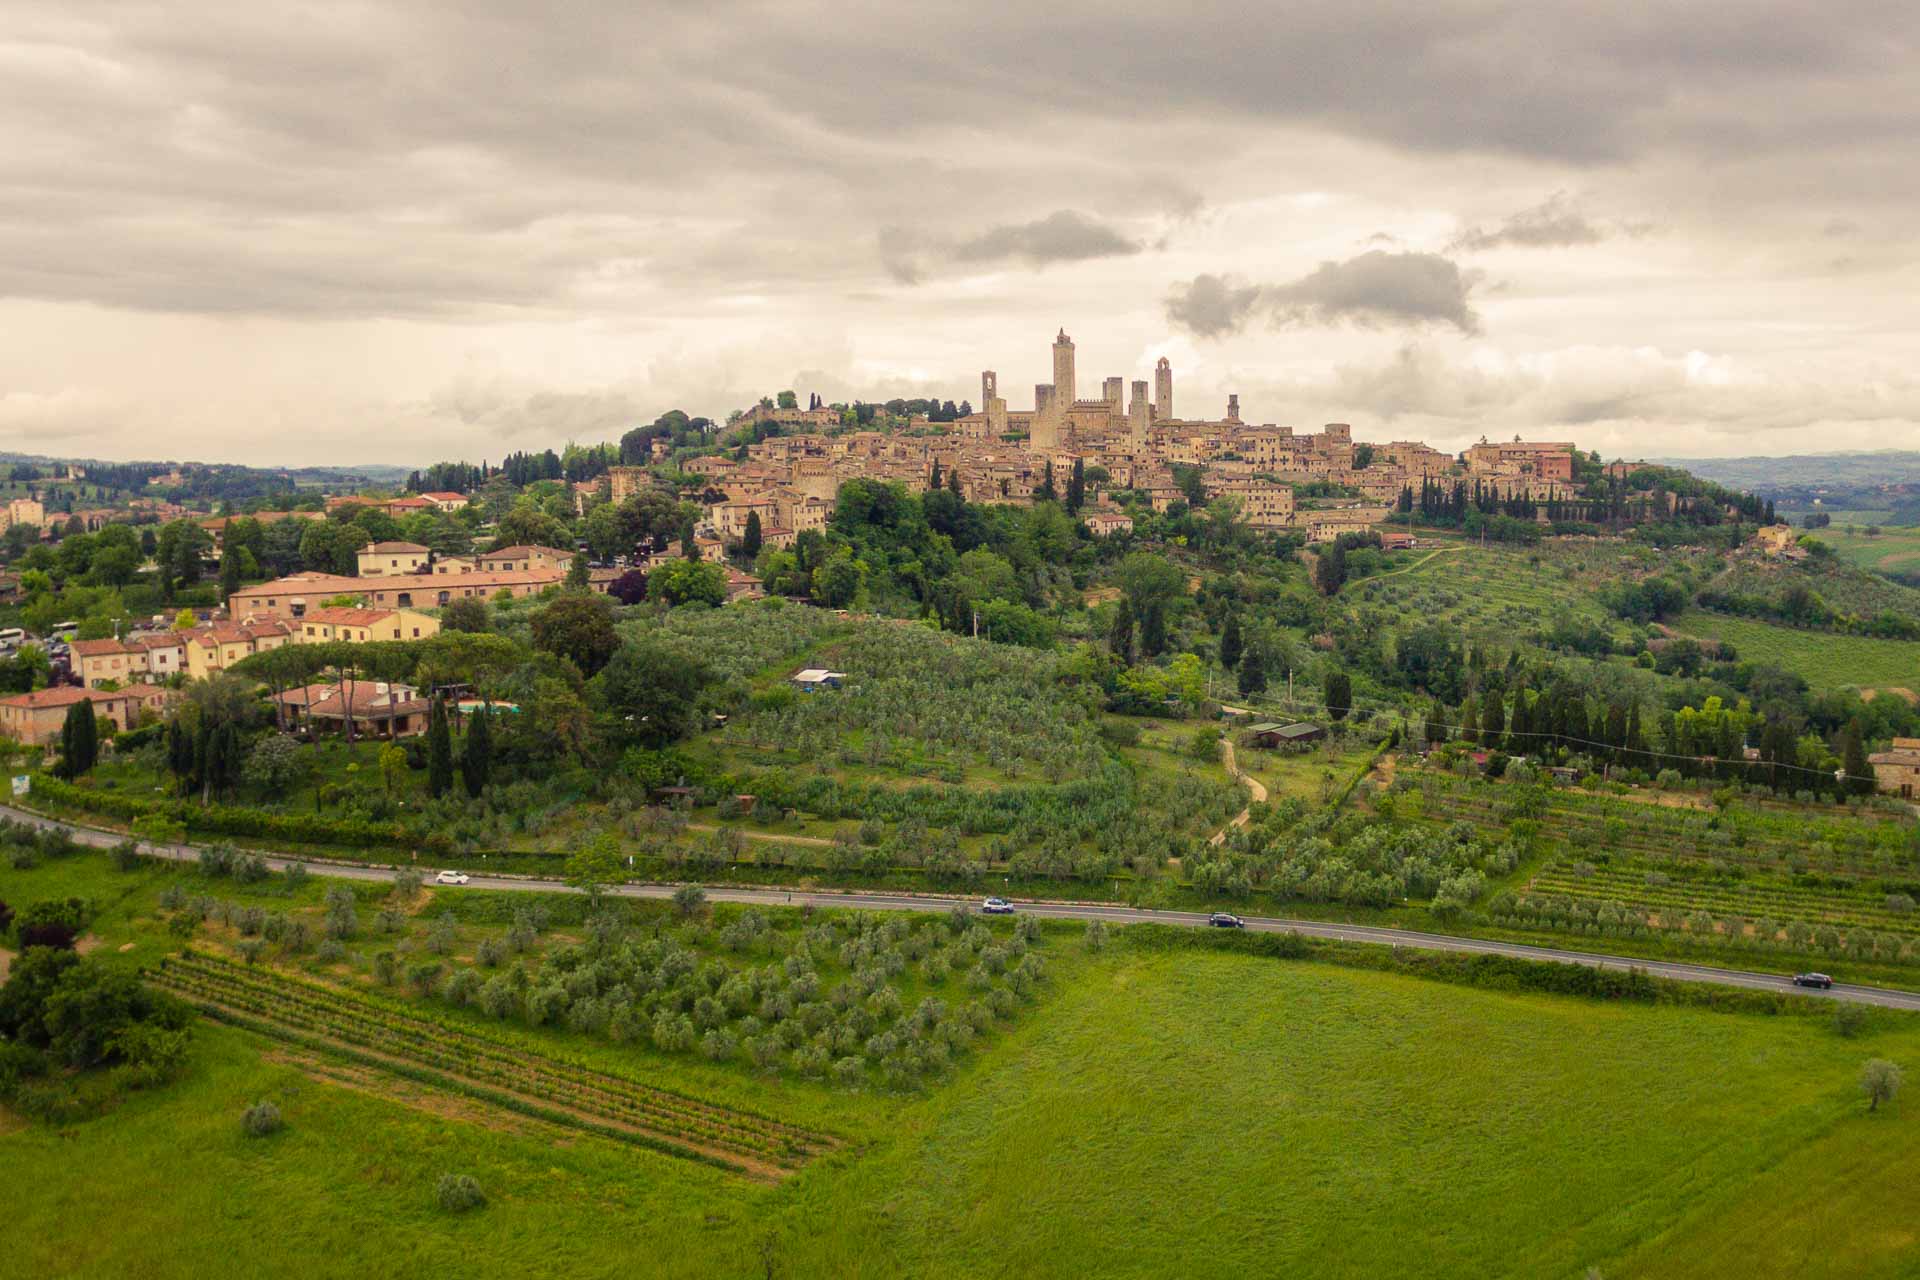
304 233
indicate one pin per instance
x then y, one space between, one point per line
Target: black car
1221 920
1820 980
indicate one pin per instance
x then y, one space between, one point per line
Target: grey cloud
1210 306
1554 223
1062 236
1065 235
1374 290
510 413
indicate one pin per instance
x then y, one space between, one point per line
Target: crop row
339 1015
1749 900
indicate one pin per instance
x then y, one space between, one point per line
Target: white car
452 877
996 907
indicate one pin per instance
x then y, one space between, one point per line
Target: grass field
1890 550
1825 660
1194 1113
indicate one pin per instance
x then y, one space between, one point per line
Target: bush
458 1193
260 1120
1849 1020
125 856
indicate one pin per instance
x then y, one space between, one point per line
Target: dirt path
1428 558
819 842
1256 791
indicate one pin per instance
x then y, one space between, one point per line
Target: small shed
1286 736
817 678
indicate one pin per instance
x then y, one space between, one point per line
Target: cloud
1065 235
1210 306
1553 224
1375 290
1062 236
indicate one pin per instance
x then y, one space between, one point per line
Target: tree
1880 1081
1231 644
1120 635
1153 630
630 587
1330 571
750 540
476 756
689 898
1077 486
595 865
79 740
393 763
439 750
1253 674
1860 780
651 694
577 578
273 764
688 582
579 627
467 614
838 580
1339 694
1149 579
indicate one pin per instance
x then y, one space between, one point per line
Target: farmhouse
817 678
1898 770
35 718
1285 737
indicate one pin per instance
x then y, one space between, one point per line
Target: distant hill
1884 483
1875 470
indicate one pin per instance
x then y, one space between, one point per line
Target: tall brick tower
1163 390
1063 373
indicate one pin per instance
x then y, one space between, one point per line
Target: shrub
260 1120
125 856
1850 1019
458 1193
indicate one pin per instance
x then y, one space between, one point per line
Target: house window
404 600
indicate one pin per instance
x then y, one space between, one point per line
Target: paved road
1113 913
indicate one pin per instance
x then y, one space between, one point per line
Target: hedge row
233 820
1494 972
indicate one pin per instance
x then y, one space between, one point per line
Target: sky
341 233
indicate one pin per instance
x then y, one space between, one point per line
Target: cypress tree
1339 694
1436 724
1853 760
1493 719
476 761
79 740
1153 631
1077 486
1253 674
439 751
750 541
1231 645
577 572
1120 638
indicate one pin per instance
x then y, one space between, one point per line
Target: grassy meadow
1150 1113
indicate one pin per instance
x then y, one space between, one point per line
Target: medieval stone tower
1138 412
1063 372
989 387
1114 392
1163 390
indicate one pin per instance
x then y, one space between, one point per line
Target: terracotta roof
159 640
348 617
386 548
61 695
97 648
370 698
523 552
445 497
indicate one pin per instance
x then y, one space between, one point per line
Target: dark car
1222 920
997 907
1820 980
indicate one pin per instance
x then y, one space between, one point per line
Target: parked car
997 907
1820 980
1222 920
452 877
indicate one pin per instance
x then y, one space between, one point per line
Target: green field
1824 660
1195 1113
1893 549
